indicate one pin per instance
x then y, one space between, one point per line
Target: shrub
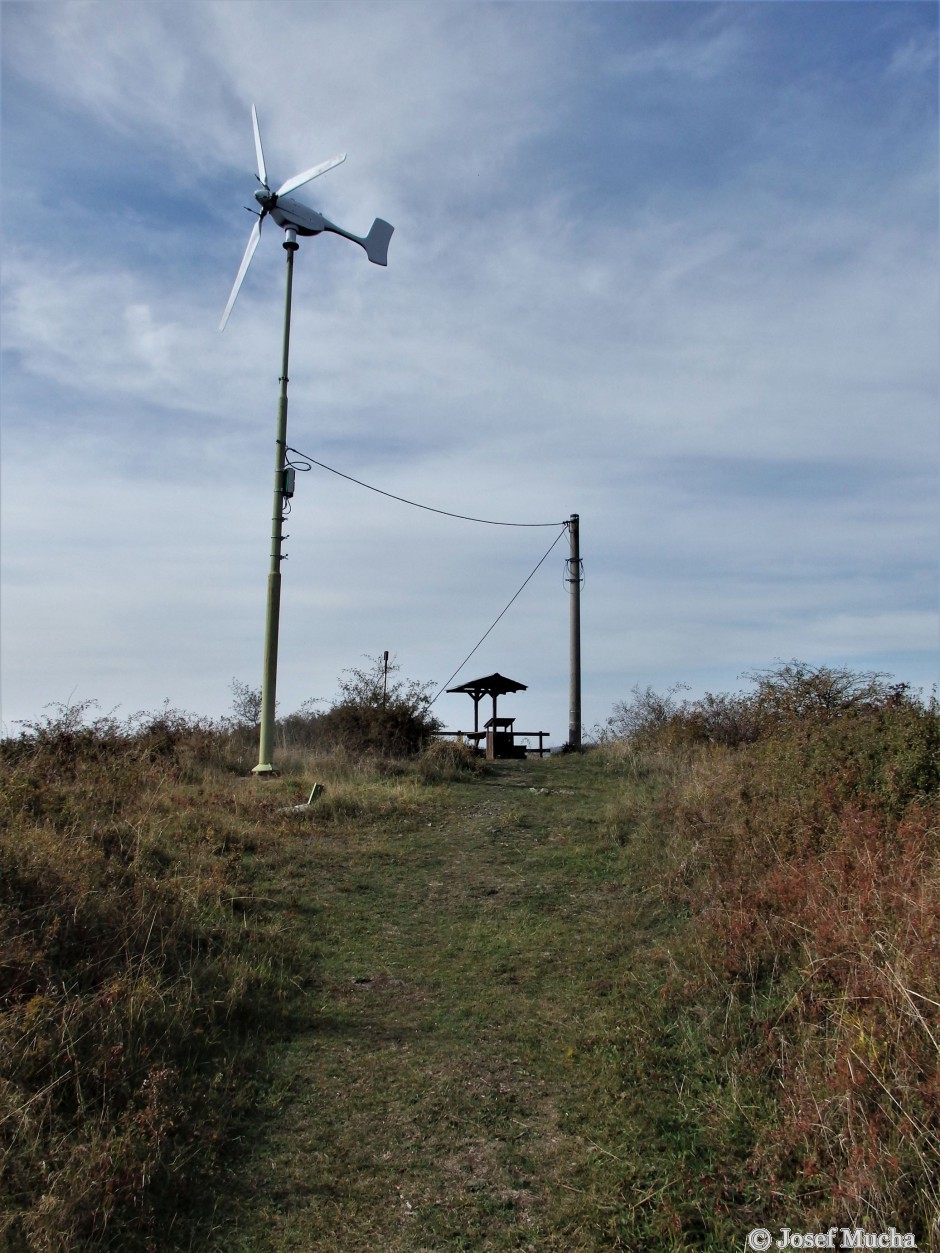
646 716
792 692
246 707
796 689
376 716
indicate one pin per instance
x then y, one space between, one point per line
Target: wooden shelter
498 732
493 685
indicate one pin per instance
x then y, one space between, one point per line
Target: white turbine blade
259 151
242 270
299 179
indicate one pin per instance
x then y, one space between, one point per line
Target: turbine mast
273 615
295 219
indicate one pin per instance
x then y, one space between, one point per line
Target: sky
671 266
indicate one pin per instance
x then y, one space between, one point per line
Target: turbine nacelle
291 215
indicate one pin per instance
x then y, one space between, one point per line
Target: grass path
460 1072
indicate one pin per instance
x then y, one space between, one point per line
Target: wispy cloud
672 267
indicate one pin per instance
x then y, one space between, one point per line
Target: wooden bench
541 750
476 736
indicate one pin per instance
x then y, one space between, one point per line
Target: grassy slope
586 1003
486 1061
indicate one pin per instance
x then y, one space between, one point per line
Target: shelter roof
490 685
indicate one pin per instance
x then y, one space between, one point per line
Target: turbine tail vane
375 243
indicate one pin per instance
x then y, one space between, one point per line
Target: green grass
485 1060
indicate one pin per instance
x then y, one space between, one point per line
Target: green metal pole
265 764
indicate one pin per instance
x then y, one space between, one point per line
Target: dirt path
452 1076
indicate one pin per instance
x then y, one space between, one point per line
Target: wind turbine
295 219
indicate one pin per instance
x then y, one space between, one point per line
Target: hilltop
654 995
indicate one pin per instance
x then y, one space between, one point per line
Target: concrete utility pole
273 615
573 579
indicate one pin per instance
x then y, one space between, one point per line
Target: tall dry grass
140 971
132 977
806 851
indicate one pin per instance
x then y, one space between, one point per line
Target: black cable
297 465
483 637
446 512
309 462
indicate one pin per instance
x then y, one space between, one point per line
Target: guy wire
564 527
